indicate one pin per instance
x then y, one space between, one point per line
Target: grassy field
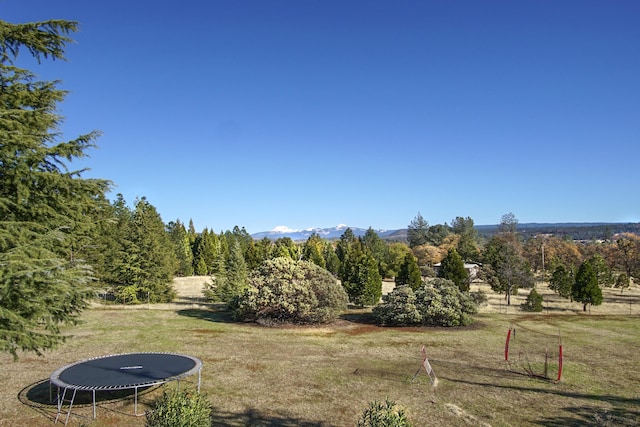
325 376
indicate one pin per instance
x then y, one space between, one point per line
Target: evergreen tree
205 251
119 269
418 232
378 249
332 263
191 232
452 268
561 281
312 250
534 302
47 212
155 261
360 276
437 233
585 288
180 239
409 274
252 256
602 270
286 247
264 250
468 243
233 281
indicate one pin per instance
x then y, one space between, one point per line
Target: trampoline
121 372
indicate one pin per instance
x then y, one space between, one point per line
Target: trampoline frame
62 385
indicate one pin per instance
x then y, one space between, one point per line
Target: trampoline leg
59 403
94 404
135 402
70 405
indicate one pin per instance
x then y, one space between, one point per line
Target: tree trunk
584 307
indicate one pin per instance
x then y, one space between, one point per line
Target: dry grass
325 376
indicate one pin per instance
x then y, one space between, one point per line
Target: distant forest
571 231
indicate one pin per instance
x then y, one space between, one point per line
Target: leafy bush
437 303
180 408
533 302
479 297
284 290
383 415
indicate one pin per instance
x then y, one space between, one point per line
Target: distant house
472 269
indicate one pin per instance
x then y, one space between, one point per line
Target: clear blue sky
313 113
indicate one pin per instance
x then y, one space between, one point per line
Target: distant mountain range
325 233
578 231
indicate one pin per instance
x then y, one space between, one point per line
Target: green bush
284 290
383 415
437 303
180 408
533 302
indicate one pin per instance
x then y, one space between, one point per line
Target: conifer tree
184 254
312 250
230 282
585 288
360 275
452 268
409 274
331 261
47 211
418 231
378 249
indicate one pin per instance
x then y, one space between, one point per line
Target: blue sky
313 113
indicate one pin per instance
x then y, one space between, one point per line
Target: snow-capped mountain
325 233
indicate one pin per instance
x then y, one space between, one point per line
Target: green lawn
325 376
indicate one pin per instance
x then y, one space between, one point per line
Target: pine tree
452 268
157 261
360 275
47 212
331 260
184 254
409 274
378 249
418 231
230 281
312 250
561 281
585 288
142 260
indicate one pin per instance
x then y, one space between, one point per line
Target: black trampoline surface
122 371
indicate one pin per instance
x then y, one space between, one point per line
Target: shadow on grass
217 313
42 398
625 411
589 416
251 417
358 316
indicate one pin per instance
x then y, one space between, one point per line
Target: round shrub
180 408
533 302
437 303
383 415
284 290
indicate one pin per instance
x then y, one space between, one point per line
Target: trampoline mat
125 371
